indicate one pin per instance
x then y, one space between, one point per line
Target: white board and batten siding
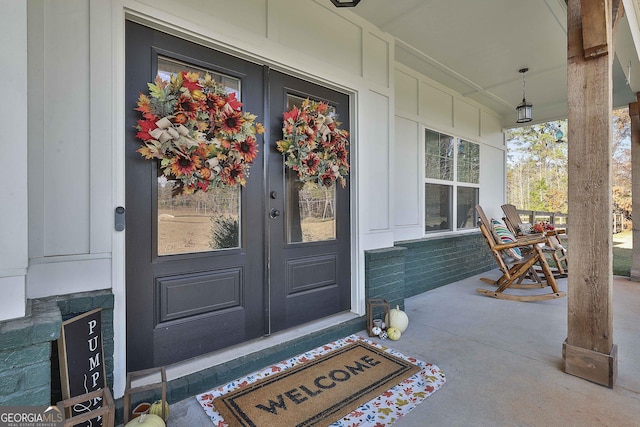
13 192
421 103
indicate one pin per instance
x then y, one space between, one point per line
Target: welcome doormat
349 382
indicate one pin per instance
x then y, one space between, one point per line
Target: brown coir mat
318 392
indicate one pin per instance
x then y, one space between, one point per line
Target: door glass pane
200 222
310 214
437 207
311 211
467 201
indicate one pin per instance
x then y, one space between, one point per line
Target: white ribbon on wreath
167 131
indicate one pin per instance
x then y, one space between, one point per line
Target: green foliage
621 158
622 253
225 232
537 174
537 167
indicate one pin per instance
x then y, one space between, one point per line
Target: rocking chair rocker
516 266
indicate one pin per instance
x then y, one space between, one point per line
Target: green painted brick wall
412 267
29 372
25 352
385 275
431 263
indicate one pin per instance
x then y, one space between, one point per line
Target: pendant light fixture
524 109
345 3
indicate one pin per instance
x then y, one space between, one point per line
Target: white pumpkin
146 420
397 318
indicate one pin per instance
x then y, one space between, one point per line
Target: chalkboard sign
81 357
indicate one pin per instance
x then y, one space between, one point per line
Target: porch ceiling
477 48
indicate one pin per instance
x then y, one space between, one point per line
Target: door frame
157 19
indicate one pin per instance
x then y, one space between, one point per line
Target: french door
212 269
309 242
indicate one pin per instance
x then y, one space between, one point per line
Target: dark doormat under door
326 385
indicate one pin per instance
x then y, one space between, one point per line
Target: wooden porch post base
590 365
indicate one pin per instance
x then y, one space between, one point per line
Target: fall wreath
197 131
313 146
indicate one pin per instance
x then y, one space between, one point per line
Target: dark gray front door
309 241
209 270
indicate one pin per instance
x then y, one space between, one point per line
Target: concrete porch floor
502 360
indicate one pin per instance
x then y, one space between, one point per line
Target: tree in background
537 165
622 162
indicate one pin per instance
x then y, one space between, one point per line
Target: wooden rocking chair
552 245
515 270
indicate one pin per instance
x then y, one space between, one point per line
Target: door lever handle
274 213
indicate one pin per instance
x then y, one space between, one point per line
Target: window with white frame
452 182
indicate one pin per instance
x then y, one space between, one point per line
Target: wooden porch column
634 113
589 351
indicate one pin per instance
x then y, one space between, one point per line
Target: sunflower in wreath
197 131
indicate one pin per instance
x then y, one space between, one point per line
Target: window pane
437 204
438 151
199 222
467 201
468 162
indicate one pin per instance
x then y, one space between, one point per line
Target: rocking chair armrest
556 232
531 239
519 244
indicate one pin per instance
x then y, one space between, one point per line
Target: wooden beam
634 112
586 364
595 28
590 283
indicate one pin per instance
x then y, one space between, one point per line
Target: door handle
274 213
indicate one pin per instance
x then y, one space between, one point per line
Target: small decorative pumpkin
376 330
156 408
394 333
398 319
383 335
146 420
